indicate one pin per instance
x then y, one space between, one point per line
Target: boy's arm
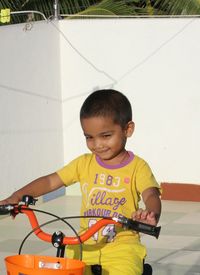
151 214
36 188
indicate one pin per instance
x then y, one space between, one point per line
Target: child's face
106 139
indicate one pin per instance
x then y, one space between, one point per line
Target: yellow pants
122 257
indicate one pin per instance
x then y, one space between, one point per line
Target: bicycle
46 265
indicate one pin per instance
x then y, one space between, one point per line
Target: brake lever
29 200
13 209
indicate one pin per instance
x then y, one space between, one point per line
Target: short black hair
107 102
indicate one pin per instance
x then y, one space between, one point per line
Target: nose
98 144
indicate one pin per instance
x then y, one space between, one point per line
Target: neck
116 163
117 160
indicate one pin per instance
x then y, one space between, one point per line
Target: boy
112 180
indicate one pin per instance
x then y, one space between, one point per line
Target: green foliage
177 7
102 7
109 7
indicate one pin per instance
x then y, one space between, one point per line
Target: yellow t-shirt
108 191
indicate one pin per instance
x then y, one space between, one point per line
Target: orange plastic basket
42 265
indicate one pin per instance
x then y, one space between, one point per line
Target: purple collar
116 166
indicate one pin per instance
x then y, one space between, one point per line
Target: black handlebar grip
144 228
141 227
5 209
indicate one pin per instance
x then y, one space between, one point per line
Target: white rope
28 12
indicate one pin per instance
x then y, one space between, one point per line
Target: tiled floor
176 252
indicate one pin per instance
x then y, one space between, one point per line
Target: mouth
100 152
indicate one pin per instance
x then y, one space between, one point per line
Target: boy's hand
151 199
145 216
10 200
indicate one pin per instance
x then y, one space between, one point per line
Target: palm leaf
177 7
109 7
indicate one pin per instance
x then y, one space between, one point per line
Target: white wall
31 141
155 62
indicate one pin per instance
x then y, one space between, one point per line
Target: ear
130 127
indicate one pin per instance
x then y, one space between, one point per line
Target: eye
106 135
88 137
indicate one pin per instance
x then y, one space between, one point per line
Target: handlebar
122 221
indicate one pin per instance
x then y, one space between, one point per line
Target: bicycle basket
42 265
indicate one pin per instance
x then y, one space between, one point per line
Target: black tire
147 269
